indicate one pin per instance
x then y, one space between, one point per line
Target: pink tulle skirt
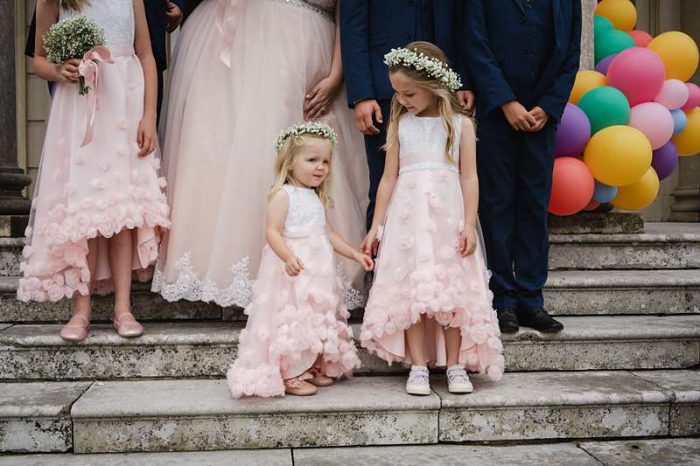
94 191
294 323
420 274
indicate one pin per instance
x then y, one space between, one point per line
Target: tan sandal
319 379
298 386
74 331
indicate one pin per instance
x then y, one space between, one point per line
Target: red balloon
641 38
572 186
593 205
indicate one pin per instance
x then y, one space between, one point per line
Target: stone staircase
626 366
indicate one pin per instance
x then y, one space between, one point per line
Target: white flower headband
316 127
420 61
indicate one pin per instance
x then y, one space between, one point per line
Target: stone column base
608 223
687 205
13 226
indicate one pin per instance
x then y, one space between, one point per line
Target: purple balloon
573 133
602 66
665 160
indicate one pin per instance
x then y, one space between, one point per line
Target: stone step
205 349
182 415
200 415
661 246
638 452
600 292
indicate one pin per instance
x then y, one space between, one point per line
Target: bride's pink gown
219 128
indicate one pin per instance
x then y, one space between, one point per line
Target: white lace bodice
422 142
305 208
115 17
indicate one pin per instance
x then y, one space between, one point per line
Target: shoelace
416 376
459 376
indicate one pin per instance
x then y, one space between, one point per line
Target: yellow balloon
640 194
618 155
679 52
621 13
585 81
688 140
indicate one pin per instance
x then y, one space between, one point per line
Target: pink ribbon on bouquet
89 70
228 13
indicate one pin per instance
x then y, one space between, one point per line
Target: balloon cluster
628 121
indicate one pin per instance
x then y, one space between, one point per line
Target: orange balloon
585 81
572 186
621 13
639 194
688 141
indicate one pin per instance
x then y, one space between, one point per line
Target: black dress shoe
507 320
539 319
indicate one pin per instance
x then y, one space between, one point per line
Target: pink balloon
655 121
693 97
639 73
641 38
674 94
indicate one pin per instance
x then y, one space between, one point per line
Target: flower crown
420 61
315 127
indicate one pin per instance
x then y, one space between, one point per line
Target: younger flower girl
297 337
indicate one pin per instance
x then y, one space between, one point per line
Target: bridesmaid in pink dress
98 207
243 70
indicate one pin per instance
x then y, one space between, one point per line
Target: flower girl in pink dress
98 204
297 337
430 302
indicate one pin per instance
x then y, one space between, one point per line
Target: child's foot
418 382
126 325
458 380
319 379
76 329
299 387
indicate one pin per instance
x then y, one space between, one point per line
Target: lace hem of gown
239 293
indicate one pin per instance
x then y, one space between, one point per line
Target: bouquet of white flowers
72 38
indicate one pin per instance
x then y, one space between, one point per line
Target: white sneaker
418 382
458 380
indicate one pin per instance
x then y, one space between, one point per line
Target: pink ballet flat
129 329
74 331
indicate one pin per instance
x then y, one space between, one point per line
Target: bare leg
415 334
82 304
453 340
120 252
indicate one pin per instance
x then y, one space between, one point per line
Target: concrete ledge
34 417
200 415
542 405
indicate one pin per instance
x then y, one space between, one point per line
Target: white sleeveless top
422 143
305 209
115 17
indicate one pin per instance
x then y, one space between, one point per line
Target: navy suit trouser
376 157
515 181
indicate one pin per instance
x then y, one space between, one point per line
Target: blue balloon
679 120
603 193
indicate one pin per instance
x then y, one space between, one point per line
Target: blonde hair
75 5
448 105
286 157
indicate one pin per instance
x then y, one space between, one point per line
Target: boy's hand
518 117
541 118
364 111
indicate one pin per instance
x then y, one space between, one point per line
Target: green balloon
610 42
605 106
601 23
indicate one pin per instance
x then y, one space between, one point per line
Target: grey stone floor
632 452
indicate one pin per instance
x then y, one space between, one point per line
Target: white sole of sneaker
418 391
460 390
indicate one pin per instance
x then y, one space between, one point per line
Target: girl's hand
319 100
467 241
364 260
68 70
147 136
370 244
293 266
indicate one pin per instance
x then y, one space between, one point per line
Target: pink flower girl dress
295 323
96 189
419 270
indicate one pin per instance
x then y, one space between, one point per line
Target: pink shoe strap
77 317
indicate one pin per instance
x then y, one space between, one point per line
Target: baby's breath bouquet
72 38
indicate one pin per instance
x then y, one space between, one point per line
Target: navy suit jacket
370 28
155 15
500 65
